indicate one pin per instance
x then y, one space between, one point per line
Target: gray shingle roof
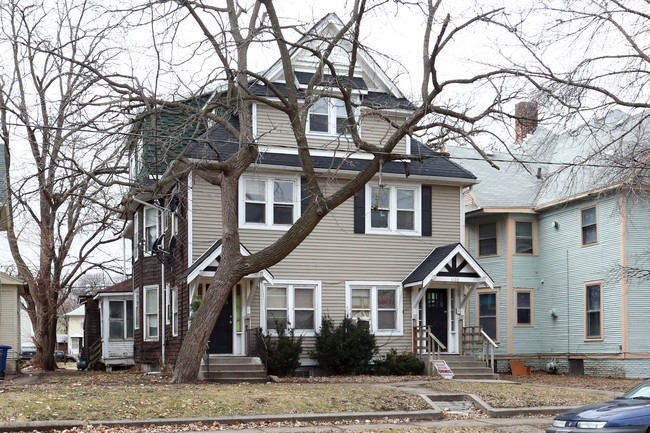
433 259
226 144
328 80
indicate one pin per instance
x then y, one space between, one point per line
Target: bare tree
53 119
447 108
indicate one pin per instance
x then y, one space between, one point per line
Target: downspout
164 318
568 328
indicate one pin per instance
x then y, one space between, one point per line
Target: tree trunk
46 337
194 343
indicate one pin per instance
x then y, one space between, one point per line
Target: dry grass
508 395
584 382
72 395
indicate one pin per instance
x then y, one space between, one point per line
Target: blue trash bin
4 350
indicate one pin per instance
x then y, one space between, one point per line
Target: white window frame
291 286
392 217
136 235
136 309
175 318
268 203
125 321
168 303
374 286
145 289
147 247
331 119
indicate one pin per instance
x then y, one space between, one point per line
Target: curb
494 412
429 415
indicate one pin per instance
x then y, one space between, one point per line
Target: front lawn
509 395
97 396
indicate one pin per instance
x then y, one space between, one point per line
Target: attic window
328 116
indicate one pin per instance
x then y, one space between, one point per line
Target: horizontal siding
638 239
274 129
9 324
334 254
565 266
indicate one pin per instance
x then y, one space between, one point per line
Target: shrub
398 364
345 349
283 352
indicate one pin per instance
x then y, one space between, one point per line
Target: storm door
436 312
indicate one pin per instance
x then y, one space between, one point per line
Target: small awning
449 263
207 264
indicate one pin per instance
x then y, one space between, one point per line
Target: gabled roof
209 261
122 286
448 263
9 280
588 159
79 311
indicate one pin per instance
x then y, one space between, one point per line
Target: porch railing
425 343
256 346
476 342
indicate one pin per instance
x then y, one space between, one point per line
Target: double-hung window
487 314
524 299
524 237
150 321
328 116
271 203
393 209
593 311
136 308
378 303
120 320
150 226
175 311
293 305
487 239
588 221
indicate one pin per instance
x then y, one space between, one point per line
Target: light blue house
562 244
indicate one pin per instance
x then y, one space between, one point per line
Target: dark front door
437 313
221 337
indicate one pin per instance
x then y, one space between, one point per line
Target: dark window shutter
426 210
360 211
305 195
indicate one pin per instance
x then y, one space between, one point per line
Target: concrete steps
232 369
468 367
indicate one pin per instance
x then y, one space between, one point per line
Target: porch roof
209 261
452 263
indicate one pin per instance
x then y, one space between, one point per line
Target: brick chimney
525 120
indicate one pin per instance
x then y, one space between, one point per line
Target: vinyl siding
334 254
9 324
274 129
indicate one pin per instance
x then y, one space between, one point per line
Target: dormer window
328 116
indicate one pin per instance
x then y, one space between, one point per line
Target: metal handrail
489 340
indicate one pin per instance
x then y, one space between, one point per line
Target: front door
436 310
221 337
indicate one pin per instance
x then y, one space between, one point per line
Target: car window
641 391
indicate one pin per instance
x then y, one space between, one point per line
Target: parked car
60 356
27 351
628 413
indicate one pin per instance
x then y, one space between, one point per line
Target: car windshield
641 391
